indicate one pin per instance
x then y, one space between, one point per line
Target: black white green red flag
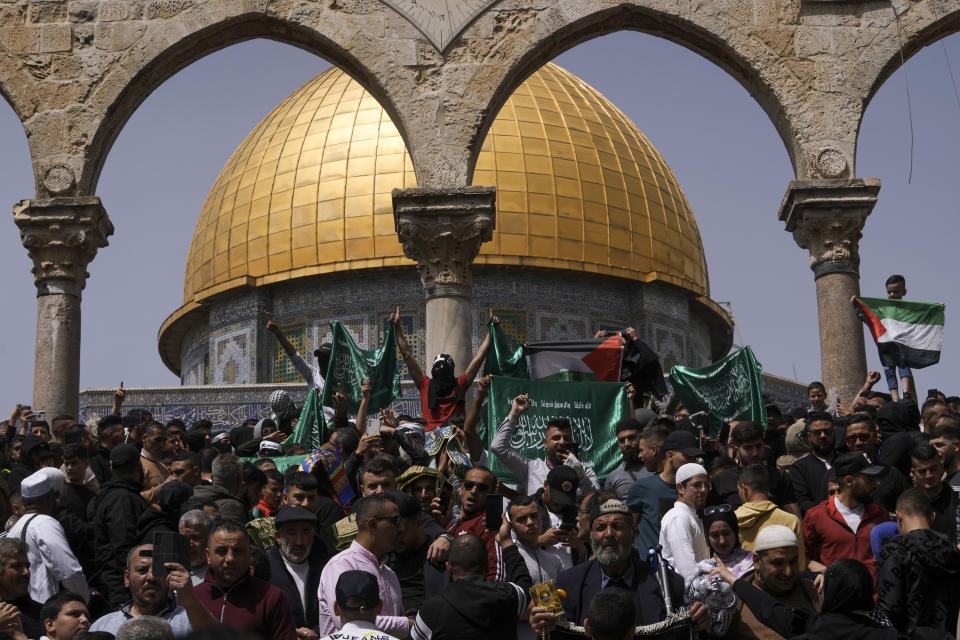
595 360
907 333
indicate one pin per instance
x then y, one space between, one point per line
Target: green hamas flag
593 408
311 429
505 357
349 365
729 389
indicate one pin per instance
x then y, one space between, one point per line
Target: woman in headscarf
723 536
845 613
722 533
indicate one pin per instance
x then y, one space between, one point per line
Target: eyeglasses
394 519
720 508
698 486
858 437
821 432
470 485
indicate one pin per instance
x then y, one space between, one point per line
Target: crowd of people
831 522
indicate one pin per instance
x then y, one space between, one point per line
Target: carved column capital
442 230
826 218
62 236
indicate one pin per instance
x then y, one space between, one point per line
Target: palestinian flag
907 333
578 360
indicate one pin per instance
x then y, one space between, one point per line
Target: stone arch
920 26
160 59
716 38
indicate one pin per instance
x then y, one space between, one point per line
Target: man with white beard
296 561
616 564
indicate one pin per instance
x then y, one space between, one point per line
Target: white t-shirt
851 516
823 460
299 573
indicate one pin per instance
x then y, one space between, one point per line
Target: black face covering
443 384
323 358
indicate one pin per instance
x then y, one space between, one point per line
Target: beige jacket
154 475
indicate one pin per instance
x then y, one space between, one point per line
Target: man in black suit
808 474
616 564
296 561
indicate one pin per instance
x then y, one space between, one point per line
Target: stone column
826 217
62 236
442 230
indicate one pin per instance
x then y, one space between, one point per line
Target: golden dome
579 188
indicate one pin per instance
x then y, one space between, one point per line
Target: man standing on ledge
441 393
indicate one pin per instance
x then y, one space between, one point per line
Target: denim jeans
891 374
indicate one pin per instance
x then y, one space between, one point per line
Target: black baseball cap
563 482
31 444
123 455
358 585
854 462
684 442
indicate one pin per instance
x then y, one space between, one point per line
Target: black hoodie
474 609
917 580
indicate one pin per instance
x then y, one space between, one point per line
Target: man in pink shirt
378 525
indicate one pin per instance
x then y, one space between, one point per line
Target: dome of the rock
592 231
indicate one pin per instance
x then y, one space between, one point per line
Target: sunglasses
470 485
821 432
720 508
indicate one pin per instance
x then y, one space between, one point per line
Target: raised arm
416 373
517 464
474 367
118 397
873 377
274 328
366 388
340 411
472 421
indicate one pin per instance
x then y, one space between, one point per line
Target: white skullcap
223 435
57 478
689 470
270 445
774 536
36 485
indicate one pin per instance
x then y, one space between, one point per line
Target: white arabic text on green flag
729 389
350 365
593 409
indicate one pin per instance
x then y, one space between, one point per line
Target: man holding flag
908 334
557 445
313 376
442 394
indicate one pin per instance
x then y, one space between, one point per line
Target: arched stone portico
74 73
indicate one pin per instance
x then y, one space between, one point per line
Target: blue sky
722 147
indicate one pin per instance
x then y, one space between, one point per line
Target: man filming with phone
558 447
170 597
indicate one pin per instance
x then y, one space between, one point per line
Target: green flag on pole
593 408
349 365
311 429
729 389
506 357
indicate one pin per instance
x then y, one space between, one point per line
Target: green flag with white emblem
729 389
350 365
